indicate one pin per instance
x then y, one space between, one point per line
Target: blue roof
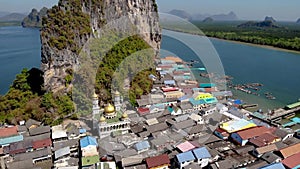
296 120
170 109
13 139
237 102
210 100
169 82
183 97
87 141
201 153
142 145
196 102
81 131
186 156
274 166
259 115
207 85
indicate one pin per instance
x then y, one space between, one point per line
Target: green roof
115 119
86 161
294 105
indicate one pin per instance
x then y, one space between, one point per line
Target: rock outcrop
270 19
34 19
208 19
70 24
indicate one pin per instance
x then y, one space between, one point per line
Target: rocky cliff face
73 22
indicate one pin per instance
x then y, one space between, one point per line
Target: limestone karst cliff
72 22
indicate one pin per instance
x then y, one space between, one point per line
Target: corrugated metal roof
39 130
13 139
185 146
8 131
236 125
186 156
201 153
87 141
294 105
61 152
252 132
291 150
158 161
274 166
142 145
292 161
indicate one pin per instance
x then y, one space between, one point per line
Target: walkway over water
280 113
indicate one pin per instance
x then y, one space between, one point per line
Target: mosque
112 118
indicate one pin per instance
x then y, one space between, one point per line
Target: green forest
26 99
286 35
127 59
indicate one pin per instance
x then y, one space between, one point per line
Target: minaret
117 101
96 108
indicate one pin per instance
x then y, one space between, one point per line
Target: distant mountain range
298 21
181 13
2 13
269 22
12 17
231 16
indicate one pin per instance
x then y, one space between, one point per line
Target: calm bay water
279 71
19 48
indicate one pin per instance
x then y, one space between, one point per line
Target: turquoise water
19 48
279 71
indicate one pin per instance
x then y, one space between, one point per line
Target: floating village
181 124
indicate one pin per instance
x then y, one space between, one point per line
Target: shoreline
258 45
239 42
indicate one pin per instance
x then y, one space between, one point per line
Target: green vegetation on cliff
140 85
26 99
66 25
124 60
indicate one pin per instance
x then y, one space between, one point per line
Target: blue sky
23 6
245 9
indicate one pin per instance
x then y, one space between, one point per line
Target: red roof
158 161
170 89
253 132
291 150
210 89
263 139
143 110
42 143
292 161
221 131
8 131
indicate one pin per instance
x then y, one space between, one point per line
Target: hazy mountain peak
12 17
270 18
181 13
298 21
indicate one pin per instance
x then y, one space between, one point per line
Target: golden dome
109 109
102 119
125 115
95 95
117 93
